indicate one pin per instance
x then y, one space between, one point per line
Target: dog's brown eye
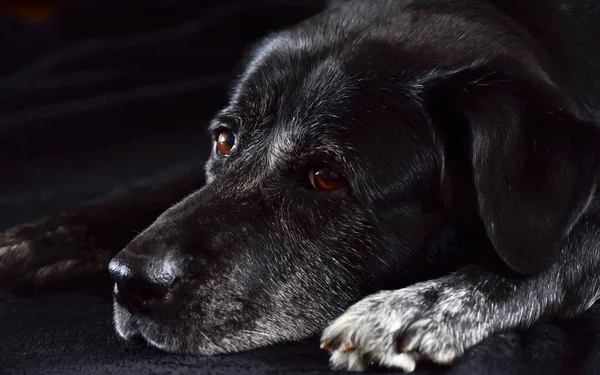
325 179
225 143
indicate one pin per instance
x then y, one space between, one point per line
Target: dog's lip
131 328
125 323
143 307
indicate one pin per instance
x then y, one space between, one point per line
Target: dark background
102 97
105 96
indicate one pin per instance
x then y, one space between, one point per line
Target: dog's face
313 199
329 179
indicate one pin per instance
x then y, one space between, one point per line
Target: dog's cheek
332 270
209 170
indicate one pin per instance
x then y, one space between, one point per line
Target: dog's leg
440 319
78 245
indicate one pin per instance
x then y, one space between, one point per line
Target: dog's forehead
294 77
292 94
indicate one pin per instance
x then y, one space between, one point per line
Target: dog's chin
194 341
129 326
125 323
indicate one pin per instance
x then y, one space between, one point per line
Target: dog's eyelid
224 123
228 118
222 129
333 163
325 158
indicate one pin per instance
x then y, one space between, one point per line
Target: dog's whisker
220 349
260 333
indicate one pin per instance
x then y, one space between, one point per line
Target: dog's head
355 150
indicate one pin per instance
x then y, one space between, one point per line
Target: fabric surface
110 109
72 334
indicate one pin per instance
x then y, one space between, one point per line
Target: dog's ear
534 163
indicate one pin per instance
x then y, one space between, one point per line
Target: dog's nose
141 280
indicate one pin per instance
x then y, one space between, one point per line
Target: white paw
398 328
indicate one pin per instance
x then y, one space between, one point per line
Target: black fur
468 133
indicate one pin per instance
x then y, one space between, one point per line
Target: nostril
137 295
141 281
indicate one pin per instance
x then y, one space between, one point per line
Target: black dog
448 146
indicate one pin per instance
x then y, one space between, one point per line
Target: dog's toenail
348 347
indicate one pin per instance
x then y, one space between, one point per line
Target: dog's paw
396 329
49 250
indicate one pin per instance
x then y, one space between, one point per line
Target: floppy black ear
534 163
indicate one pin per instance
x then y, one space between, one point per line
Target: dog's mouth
131 327
125 323
232 334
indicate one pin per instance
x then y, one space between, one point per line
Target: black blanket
92 110
72 334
